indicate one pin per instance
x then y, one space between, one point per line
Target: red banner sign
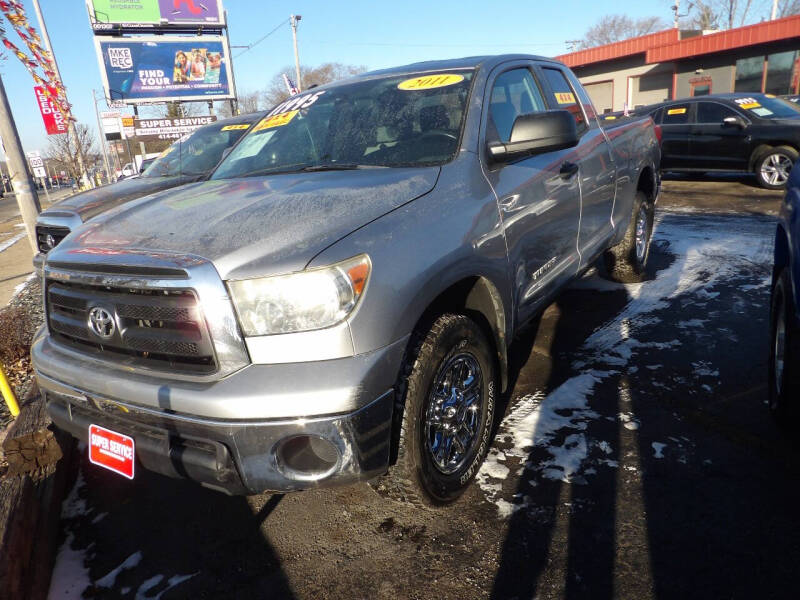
54 121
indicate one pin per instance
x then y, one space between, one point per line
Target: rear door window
677 114
562 96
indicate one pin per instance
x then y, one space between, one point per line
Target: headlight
302 301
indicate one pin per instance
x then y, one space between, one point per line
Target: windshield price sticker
676 111
111 450
295 103
278 120
749 103
236 127
429 82
565 98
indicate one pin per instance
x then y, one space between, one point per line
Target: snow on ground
707 251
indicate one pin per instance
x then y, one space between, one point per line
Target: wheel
774 166
627 261
446 394
783 380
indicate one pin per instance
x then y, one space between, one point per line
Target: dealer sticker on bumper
111 450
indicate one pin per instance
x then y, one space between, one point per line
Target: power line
404 44
261 39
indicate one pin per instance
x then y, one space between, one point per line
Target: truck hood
91 203
257 226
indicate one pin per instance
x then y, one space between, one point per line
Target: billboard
168 129
54 121
164 68
109 14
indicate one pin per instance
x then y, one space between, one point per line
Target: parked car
187 160
340 296
792 98
746 133
784 357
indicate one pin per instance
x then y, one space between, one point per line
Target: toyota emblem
101 322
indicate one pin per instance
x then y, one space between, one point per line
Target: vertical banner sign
164 68
54 121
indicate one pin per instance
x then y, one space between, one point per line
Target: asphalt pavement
635 459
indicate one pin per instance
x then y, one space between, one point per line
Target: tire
783 365
428 473
627 261
773 167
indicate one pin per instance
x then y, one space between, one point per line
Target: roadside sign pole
21 181
102 138
70 125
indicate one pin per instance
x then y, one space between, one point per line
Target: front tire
627 261
774 167
447 397
783 381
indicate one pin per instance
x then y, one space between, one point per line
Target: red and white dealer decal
111 450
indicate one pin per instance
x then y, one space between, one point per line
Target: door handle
568 169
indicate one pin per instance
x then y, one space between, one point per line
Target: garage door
602 95
649 89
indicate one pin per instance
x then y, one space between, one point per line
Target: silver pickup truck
336 302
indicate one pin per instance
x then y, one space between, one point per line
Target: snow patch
70 574
658 449
108 580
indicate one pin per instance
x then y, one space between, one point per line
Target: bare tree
64 153
788 8
727 14
613 28
247 102
325 73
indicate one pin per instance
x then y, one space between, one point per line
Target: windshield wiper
338 167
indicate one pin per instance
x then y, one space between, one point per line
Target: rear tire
783 364
774 166
627 261
446 396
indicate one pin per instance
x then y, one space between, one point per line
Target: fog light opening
307 457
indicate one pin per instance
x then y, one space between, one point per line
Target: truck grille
159 328
56 234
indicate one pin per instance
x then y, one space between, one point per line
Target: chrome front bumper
231 434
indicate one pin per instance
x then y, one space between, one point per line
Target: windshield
768 107
198 152
407 120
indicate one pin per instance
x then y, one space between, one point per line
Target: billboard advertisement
54 121
164 68
168 129
106 14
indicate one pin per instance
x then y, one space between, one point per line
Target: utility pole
102 138
293 19
774 10
70 125
21 181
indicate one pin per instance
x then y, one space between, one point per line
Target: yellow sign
429 82
235 127
611 118
278 120
750 105
676 111
565 98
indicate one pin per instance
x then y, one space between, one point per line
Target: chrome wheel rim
641 234
453 415
776 168
780 351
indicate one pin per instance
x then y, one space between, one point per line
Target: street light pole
102 138
70 125
21 182
293 19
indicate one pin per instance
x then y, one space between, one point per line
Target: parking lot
635 459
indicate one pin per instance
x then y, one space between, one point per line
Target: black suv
752 133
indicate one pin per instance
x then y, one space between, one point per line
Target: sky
374 34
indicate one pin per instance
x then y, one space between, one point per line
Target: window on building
676 115
783 71
749 74
701 89
563 96
712 112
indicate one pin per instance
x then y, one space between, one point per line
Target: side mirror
734 122
535 133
